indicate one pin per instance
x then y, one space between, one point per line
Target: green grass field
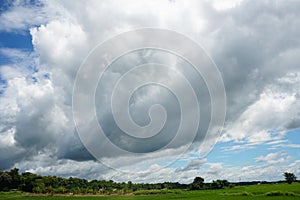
274 191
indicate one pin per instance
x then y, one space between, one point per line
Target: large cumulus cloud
254 44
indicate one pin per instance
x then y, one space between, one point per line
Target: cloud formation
254 43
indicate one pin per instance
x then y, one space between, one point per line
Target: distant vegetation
33 183
274 191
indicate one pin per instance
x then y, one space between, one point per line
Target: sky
46 126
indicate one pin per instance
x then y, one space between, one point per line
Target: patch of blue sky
19 58
34 79
293 136
245 154
292 146
237 157
5 5
46 76
36 3
3 84
13 40
16 40
179 163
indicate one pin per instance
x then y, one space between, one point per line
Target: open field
274 191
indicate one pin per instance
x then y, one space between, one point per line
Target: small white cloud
237 148
272 158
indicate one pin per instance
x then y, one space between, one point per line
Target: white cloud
270 116
284 146
237 148
7 138
226 4
193 165
277 157
22 15
275 142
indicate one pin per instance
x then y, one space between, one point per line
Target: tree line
34 183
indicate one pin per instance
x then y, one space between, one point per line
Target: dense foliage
29 182
289 177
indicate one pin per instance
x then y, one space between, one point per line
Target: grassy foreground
274 191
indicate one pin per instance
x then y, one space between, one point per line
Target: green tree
15 182
5 181
28 182
197 184
219 184
39 186
289 177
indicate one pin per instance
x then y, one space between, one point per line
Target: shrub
279 193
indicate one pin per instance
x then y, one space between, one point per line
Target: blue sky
254 44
